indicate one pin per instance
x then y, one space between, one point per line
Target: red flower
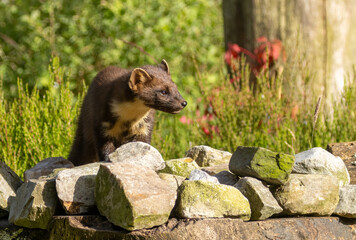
232 52
265 49
185 120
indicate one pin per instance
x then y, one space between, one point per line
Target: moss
181 167
271 165
206 199
148 221
342 177
109 192
298 197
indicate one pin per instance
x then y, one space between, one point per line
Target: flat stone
133 196
320 161
216 169
197 174
138 153
181 167
271 167
301 228
46 167
35 204
347 152
227 178
75 188
9 183
206 156
309 194
263 204
347 203
203 199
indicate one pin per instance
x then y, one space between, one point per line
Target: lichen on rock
181 167
203 199
272 167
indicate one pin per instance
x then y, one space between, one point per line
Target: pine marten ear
138 76
164 66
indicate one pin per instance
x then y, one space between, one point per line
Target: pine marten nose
184 104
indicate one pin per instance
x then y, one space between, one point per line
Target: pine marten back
119 108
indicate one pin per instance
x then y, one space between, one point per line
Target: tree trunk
317 35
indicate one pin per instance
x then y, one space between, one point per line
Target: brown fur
119 108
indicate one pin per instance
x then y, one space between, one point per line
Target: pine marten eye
163 92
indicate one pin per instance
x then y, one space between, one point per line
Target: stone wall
253 193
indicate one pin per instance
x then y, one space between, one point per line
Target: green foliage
34 126
274 117
90 35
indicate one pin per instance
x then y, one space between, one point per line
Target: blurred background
277 74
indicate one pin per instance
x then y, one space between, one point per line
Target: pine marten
119 108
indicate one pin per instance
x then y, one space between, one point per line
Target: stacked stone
138 189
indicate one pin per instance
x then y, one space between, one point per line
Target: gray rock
227 178
203 199
263 204
35 204
271 167
138 153
320 161
46 167
181 167
206 156
75 188
132 196
173 180
9 183
347 203
197 174
309 194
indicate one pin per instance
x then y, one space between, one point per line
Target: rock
75 188
216 169
9 231
347 203
132 196
203 199
320 161
174 180
138 153
263 204
309 194
206 156
272 167
9 183
347 152
197 174
97 227
181 167
46 167
227 178
35 204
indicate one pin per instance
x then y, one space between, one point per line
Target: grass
272 116
37 125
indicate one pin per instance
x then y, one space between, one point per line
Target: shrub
232 114
35 126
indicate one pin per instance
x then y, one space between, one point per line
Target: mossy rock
203 199
181 167
272 167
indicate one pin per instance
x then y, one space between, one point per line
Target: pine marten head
155 88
